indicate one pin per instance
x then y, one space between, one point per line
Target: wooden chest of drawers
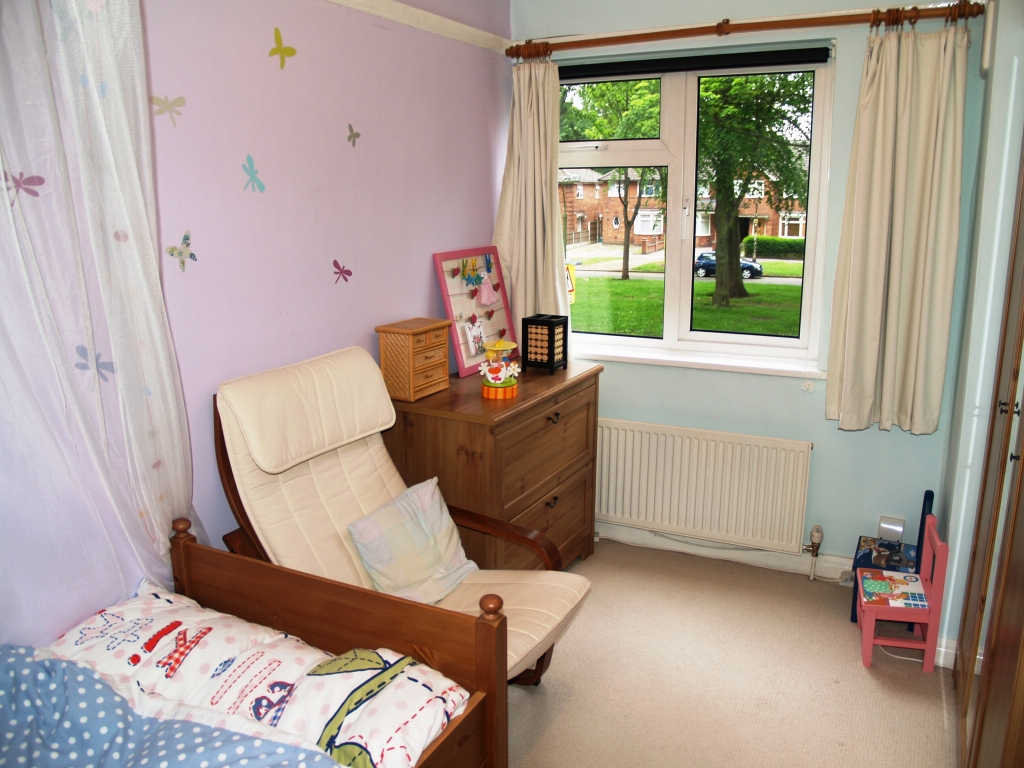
414 357
528 460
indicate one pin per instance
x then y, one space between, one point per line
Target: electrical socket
808 386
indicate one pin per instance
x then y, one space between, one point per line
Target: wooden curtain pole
891 17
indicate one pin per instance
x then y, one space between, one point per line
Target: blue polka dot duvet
58 713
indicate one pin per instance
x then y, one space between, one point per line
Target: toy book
893 589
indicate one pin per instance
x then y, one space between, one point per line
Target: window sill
625 353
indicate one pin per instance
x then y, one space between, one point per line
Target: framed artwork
475 298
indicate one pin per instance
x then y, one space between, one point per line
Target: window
611 110
703 225
579 191
648 222
648 304
792 224
754 189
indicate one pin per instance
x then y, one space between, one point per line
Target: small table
529 460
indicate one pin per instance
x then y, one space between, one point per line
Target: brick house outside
590 203
756 216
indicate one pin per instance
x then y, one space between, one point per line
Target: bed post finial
181 526
491 606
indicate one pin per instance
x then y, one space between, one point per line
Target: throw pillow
411 547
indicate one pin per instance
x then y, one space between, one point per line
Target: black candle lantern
545 342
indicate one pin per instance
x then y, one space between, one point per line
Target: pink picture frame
461 276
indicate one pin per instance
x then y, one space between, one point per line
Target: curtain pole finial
529 50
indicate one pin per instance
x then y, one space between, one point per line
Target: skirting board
829 567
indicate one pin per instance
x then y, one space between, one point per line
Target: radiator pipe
817 535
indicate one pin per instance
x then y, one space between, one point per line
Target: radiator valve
817 534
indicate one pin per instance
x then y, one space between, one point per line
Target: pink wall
423 176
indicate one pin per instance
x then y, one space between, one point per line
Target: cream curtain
95 459
528 231
893 293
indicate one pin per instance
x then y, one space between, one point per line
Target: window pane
621 109
620 279
753 160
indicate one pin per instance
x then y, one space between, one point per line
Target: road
585 272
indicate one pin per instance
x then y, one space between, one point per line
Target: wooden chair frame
337 617
244 541
932 570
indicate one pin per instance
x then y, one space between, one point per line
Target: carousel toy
499 371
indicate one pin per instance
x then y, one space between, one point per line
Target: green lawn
772 310
781 268
636 308
611 305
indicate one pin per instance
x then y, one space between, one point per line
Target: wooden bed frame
337 617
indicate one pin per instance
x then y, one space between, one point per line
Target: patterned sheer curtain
95 459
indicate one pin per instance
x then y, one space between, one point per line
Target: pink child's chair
925 620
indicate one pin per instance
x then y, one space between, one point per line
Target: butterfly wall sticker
280 49
184 252
167 106
341 272
22 183
101 365
353 135
250 168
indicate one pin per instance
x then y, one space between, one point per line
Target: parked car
704 266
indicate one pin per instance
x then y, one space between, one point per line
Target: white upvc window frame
680 345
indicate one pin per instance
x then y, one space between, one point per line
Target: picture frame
479 312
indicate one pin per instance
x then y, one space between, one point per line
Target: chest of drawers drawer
543 446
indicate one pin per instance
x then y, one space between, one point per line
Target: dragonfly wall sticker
185 252
250 168
341 272
21 183
101 366
353 135
167 106
280 49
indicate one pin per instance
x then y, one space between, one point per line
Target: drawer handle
554 419
553 501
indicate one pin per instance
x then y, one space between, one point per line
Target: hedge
774 247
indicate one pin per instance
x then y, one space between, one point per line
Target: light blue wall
855 477
1002 127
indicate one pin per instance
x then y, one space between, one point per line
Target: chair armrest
516 534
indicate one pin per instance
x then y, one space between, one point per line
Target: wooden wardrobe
989 669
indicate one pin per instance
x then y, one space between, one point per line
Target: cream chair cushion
316 424
538 605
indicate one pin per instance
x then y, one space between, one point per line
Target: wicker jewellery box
414 357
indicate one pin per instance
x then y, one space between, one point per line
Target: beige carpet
678 661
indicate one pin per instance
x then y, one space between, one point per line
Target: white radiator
737 489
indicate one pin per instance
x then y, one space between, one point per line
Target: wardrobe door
1000 497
